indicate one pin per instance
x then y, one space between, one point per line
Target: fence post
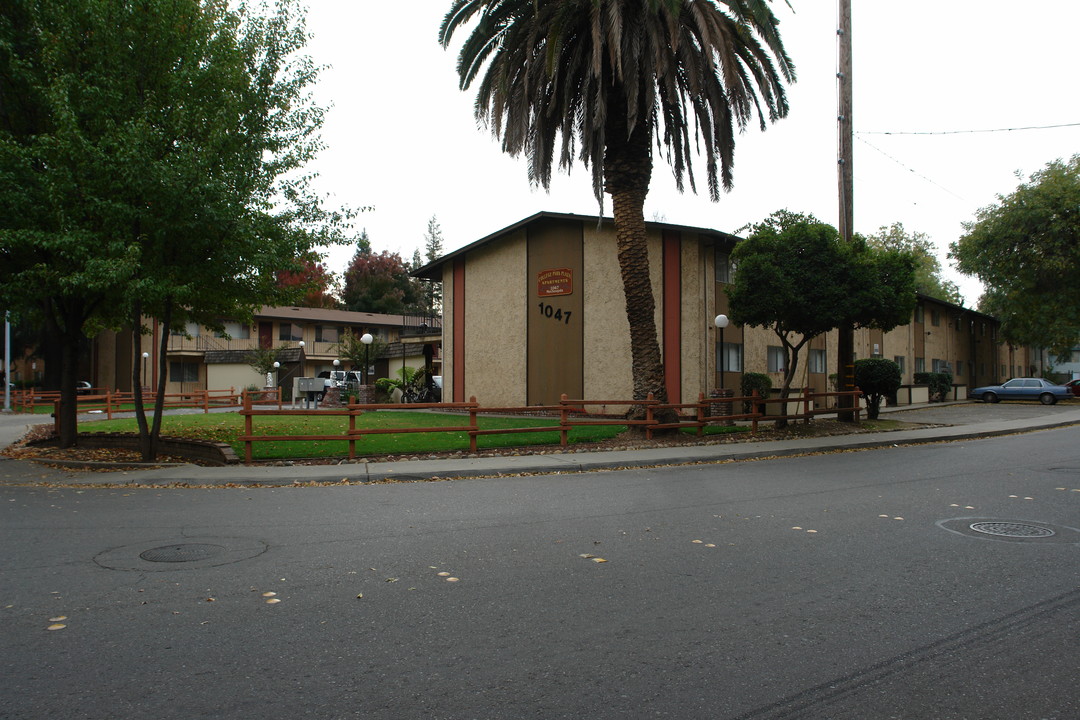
755 405
648 416
247 428
205 402
353 412
564 420
808 395
701 413
472 423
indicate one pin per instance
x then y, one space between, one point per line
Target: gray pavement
951 422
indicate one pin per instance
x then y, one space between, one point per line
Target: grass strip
227 427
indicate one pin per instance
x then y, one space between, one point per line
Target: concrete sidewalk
15 472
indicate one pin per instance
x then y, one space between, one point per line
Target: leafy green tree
796 276
151 165
878 379
431 292
613 78
262 360
928 277
1026 250
356 351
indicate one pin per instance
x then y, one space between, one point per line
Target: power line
914 172
967 132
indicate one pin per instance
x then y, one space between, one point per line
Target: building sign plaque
559 281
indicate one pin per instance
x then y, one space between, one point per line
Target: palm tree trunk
627 172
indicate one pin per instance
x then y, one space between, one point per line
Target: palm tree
603 79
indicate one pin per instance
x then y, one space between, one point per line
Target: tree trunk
163 366
146 448
791 353
60 319
627 172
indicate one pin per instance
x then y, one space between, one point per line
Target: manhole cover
190 552
180 554
1011 529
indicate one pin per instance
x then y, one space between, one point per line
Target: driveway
972 413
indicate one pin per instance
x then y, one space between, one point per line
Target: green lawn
227 427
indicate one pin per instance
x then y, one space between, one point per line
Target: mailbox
306 384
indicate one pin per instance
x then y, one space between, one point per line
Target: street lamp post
367 340
723 408
277 365
145 355
721 322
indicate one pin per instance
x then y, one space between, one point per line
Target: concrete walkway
965 421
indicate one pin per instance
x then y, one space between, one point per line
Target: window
959 368
776 359
1003 371
189 330
918 313
939 365
920 364
235 330
182 372
935 318
725 269
900 360
818 362
729 357
328 333
290 332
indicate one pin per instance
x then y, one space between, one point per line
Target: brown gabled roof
431 271
335 317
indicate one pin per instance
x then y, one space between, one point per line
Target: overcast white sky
401 137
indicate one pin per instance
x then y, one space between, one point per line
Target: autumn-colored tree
315 285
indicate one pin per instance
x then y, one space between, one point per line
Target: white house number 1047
554 313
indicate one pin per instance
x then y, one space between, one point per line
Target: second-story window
235 330
327 333
290 332
725 268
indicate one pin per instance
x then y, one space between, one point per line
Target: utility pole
845 346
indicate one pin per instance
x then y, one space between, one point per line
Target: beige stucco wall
225 376
495 300
606 330
695 320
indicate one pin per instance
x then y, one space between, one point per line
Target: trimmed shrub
940 384
878 379
752 381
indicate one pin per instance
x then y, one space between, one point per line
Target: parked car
1044 391
341 379
1074 386
83 388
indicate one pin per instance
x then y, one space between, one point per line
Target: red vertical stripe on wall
459 329
672 332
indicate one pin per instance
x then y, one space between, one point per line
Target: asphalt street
840 585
